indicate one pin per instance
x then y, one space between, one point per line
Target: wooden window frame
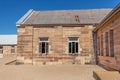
46 41
76 43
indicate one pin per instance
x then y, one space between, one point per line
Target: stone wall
25 44
28 47
112 24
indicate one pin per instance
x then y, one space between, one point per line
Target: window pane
76 47
43 39
73 47
73 39
47 47
70 47
43 47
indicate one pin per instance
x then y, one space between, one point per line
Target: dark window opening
98 46
77 18
73 45
43 46
70 50
107 44
13 49
111 43
1 49
76 47
101 45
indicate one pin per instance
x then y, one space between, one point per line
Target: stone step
106 75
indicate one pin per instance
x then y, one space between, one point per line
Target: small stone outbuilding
8 45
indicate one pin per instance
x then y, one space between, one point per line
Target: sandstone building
8 45
107 40
57 36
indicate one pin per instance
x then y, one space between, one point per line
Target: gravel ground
48 72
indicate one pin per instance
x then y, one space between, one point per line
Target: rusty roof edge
25 17
110 15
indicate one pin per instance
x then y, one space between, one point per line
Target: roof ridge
76 9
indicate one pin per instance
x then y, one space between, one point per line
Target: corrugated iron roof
92 16
8 39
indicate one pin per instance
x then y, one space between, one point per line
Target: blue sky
12 10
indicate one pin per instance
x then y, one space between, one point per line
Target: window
111 43
73 39
101 45
1 49
43 39
13 49
43 46
107 44
73 45
98 46
77 18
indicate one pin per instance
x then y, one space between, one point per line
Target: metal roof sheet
8 39
91 16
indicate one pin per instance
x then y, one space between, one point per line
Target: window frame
12 49
73 42
46 47
98 45
111 43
